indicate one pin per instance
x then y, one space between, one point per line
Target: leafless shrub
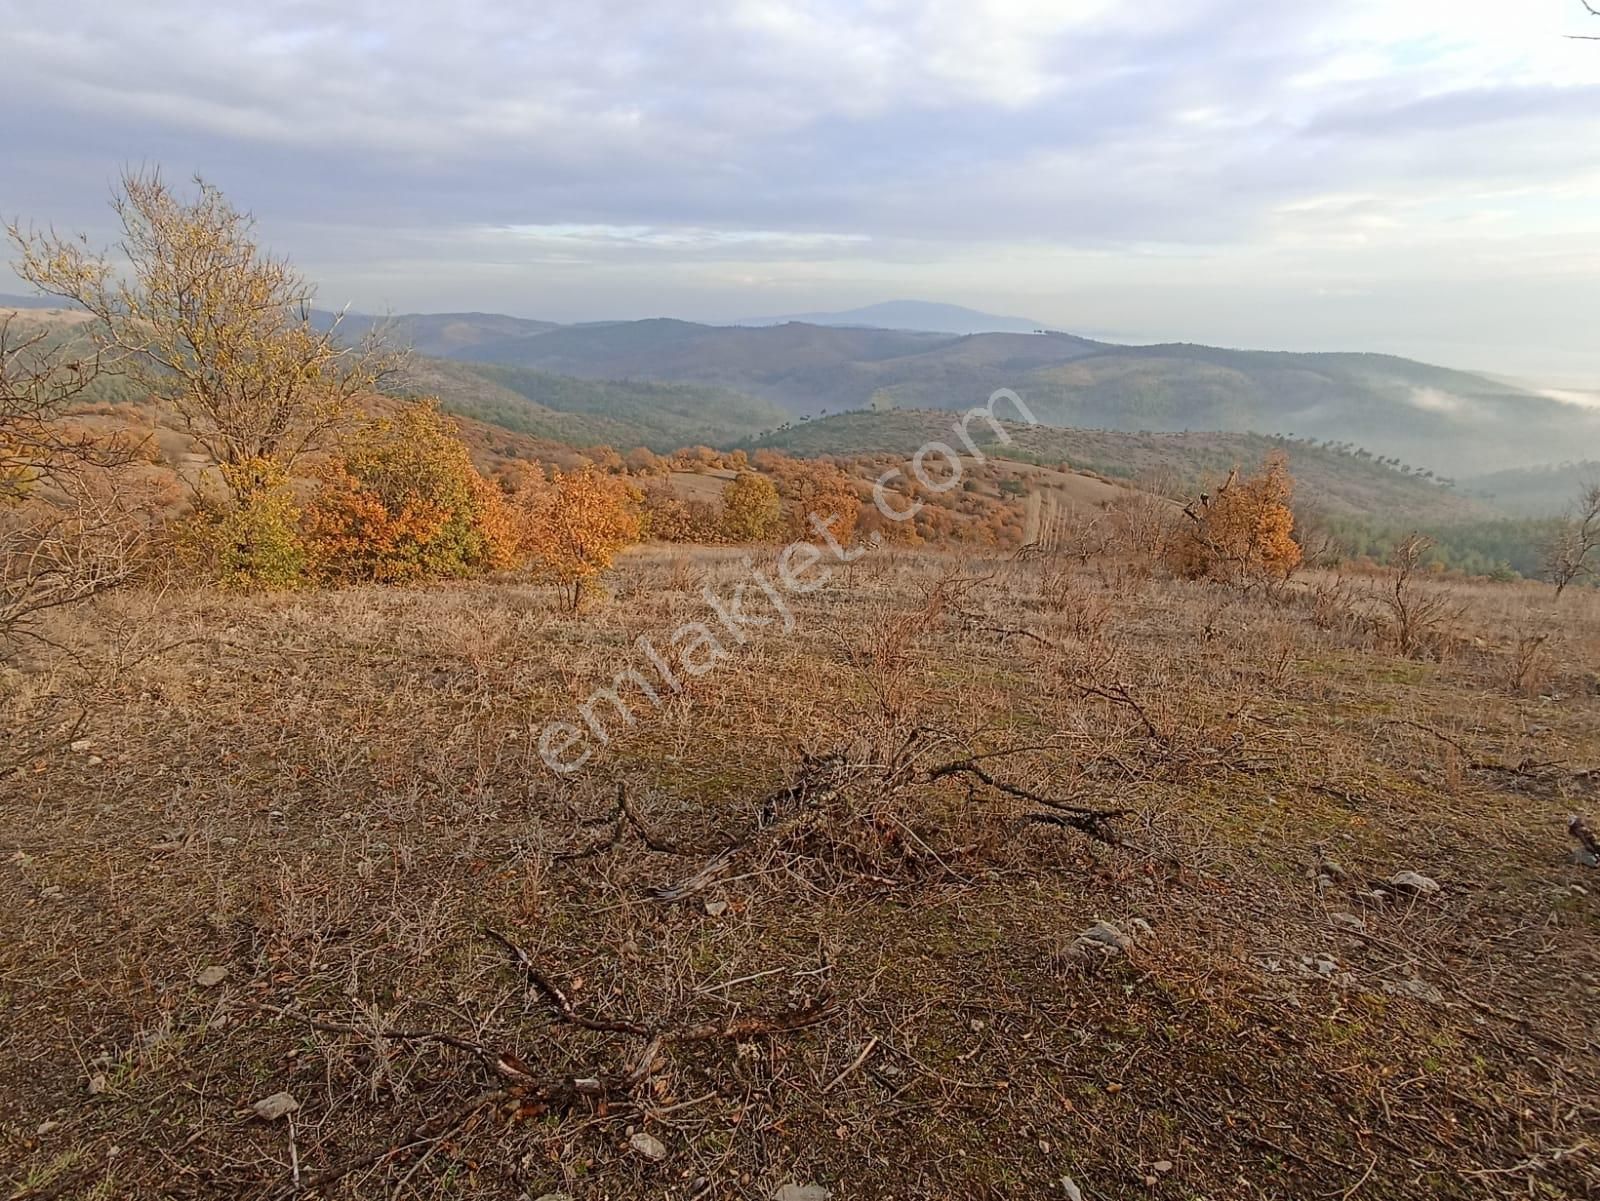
65 532
1420 613
1531 664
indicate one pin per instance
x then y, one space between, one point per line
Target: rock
278 1105
210 977
1071 1189
1416 988
802 1192
553 1197
1325 965
98 1084
1414 882
1347 921
53 892
716 908
1101 940
648 1146
81 745
95 761
46 1127
1162 1166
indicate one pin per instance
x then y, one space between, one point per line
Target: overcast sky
1415 176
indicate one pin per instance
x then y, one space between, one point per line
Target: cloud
1291 157
1436 400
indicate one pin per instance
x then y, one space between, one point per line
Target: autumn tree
403 502
663 515
206 321
1243 533
574 527
1567 552
751 510
820 493
643 461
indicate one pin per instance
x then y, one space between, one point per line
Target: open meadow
977 875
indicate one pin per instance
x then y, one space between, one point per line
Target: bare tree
66 532
206 321
1566 554
40 379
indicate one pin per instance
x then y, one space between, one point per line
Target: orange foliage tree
814 488
404 503
1244 532
574 526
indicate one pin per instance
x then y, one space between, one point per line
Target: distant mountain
749 378
911 315
31 302
439 334
1449 421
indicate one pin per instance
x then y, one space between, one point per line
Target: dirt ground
825 921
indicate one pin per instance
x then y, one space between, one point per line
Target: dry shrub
89 536
1532 667
1421 614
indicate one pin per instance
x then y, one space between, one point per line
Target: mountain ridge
913 315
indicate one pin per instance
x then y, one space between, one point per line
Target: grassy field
820 921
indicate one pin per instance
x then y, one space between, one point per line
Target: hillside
1450 421
1534 491
1139 930
434 333
584 412
1337 482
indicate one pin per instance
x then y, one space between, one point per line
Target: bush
246 534
404 503
1242 533
751 510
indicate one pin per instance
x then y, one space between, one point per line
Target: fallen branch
1091 822
552 993
812 1013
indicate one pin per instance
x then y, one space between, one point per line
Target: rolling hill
1337 482
1450 421
438 334
588 412
1534 491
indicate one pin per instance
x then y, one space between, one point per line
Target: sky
1418 177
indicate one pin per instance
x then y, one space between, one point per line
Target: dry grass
335 796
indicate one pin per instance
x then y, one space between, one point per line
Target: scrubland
820 919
